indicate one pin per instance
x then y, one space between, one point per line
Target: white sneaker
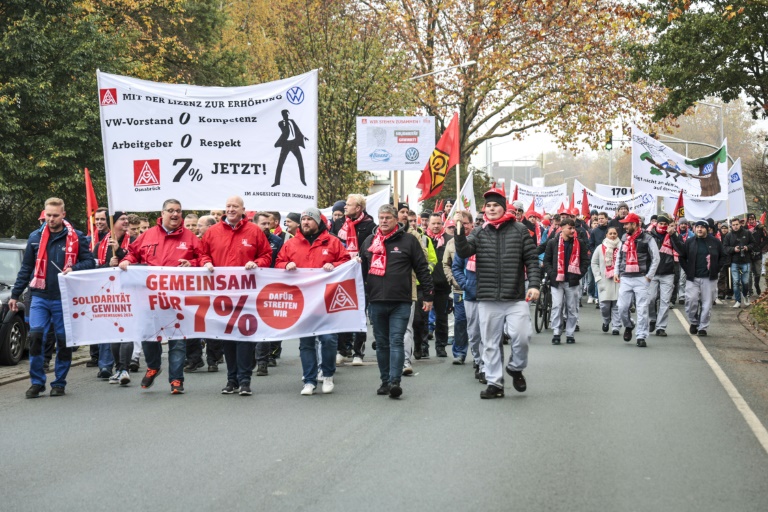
308 389
357 361
745 301
339 359
125 378
320 377
407 370
591 300
115 378
328 385
718 302
736 305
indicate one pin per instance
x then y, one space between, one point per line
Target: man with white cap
638 261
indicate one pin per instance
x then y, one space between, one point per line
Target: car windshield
10 263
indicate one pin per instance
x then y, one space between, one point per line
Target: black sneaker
627 334
245 389
641 342
47 366
556 339
383 389
149 377
492 392
440 351
93 363
57 391
424 353
133 366
477 372
192 367
35 390
104 373
518 381
577 327
605 327
213 367
702 333
272 362
262 370
615 332
661 332
230 388
482 378
570 339
693 329
653 326
395 391
177 387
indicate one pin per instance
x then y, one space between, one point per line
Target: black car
13 329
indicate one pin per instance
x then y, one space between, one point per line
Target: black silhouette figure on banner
291 141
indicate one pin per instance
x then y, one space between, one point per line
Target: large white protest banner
612 190
394 143
660 171
201 145
642 204
162 303
467 201
548 199
698 209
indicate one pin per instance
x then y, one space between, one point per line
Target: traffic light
609 139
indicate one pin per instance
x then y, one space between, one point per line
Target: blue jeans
740 279
106 357
308 354
239 357
42 313
460 335
390 320
177 351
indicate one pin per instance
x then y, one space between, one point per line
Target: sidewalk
19 372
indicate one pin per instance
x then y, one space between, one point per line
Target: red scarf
104 245
751 225
71 248
379 253
666 245
573 262
348 233
278 230
610 268
630 247
498 222
472 263
437 238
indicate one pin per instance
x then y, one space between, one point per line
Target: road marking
749 416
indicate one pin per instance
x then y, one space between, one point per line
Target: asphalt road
604 425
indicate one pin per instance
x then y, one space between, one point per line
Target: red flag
584 204
562 209
762 219
572 204
532 208
514 195
91 205
679 208
444 156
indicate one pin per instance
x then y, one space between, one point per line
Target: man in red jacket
235 242
314 247
168 244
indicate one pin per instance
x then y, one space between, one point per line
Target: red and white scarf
437 238
630 248
573 262
71 248
666 245
610 256
348 233
498 222
472 263
104 245
379 253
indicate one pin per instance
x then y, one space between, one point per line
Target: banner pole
395 195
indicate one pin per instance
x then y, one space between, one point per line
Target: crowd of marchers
419 270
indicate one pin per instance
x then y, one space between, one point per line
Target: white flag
466 199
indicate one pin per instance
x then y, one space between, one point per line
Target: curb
751 325
25 375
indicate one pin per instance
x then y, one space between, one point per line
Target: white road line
749 416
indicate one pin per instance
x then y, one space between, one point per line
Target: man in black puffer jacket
504 251
565 266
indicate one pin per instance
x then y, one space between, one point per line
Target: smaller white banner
612 190
231 303
642 204
548 199
394 143
697 209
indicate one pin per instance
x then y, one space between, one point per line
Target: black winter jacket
550 262
439 279
688 250
667 261
740 238
502 256
404 256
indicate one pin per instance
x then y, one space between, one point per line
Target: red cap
534 213
574 211
496 195
450 223
42 215
631 217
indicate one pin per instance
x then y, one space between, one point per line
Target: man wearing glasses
168 244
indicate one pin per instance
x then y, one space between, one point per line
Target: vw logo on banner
412 154
735 177
295 95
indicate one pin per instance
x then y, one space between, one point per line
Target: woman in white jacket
605 262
